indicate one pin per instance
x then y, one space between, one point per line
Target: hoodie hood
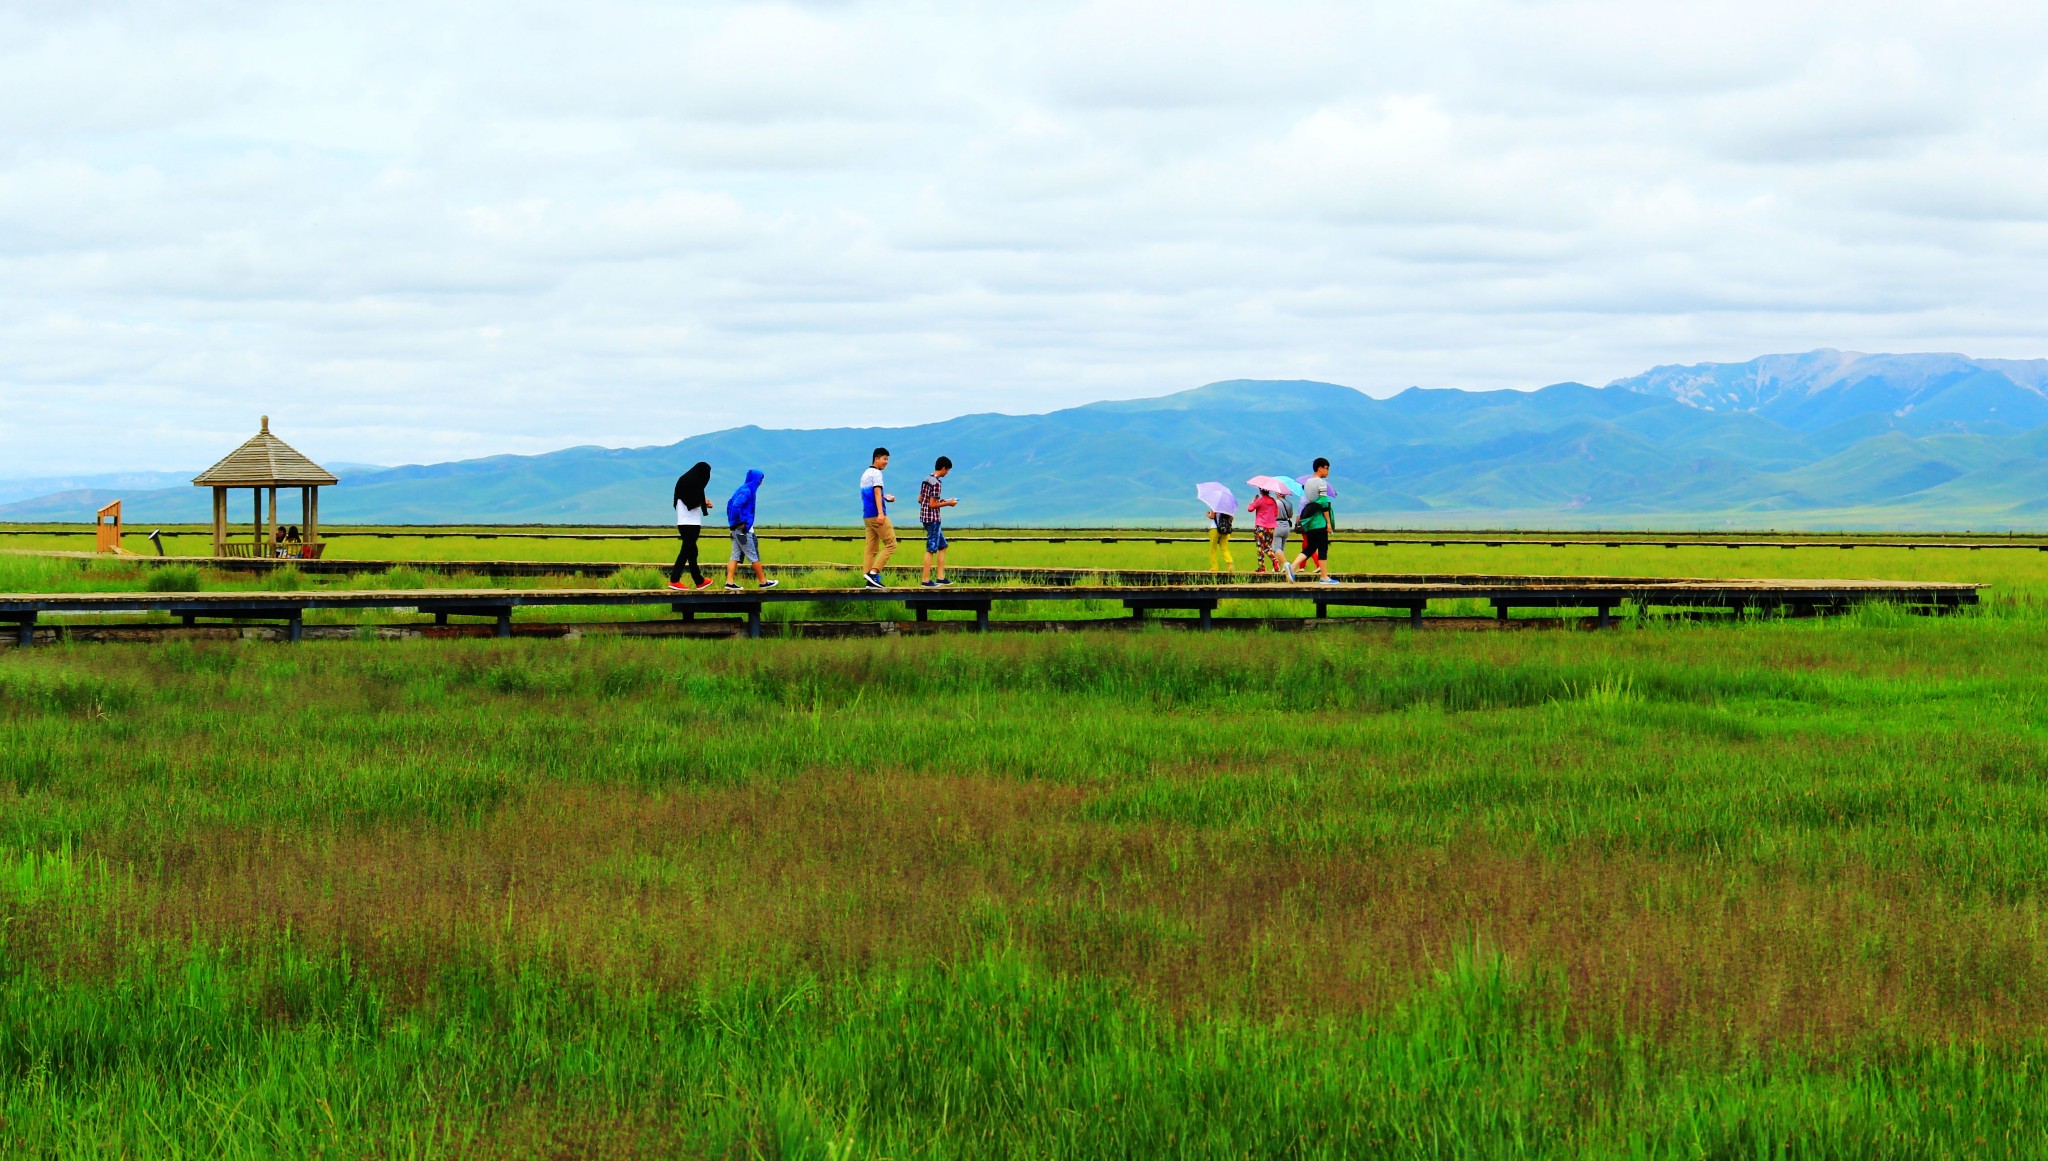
690 485
740 509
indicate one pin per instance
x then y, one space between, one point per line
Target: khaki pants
881 544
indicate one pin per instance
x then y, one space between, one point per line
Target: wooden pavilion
263 465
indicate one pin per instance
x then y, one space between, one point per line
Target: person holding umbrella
1283 523
1222 508
1265 510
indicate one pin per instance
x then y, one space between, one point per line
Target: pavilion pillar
220 521
270 533
256 531
313 515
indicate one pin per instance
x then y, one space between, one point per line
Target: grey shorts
745 548
1280 536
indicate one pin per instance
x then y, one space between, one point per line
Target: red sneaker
705 585
679 586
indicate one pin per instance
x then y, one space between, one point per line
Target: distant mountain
1827 437
114 485
28 488
1825 389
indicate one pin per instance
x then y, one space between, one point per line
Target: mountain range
1827 438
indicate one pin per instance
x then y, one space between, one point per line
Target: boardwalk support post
500 613
1204 606
922 608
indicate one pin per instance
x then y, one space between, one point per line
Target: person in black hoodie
691 505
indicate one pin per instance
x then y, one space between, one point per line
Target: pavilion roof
263 461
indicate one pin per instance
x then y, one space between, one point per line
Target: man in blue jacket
739 521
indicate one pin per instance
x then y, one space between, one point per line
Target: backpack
1224 522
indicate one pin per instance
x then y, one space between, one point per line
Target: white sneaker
1330 580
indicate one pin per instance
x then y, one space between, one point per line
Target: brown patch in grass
830 874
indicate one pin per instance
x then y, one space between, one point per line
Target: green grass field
1681 890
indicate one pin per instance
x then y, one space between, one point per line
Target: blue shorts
934 538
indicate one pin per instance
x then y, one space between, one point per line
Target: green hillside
1564 454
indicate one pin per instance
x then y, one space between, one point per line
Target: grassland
1686 891
1682 890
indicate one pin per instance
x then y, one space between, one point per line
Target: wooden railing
243 549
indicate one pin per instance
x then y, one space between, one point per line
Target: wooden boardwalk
2027 542
1600 596
903 573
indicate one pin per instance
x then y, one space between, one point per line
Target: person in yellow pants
1219 542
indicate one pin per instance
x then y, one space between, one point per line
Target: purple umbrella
1305 479
1216 496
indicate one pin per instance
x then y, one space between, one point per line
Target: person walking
690 508
739 524
1265 513
1220 524
1317 521
874 510
1283 524
930 507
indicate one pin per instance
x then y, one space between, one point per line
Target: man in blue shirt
874 512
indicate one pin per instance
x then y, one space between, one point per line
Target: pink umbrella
1216 496
1272 484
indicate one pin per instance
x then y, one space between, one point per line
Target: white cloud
410 232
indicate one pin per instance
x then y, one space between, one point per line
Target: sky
413 232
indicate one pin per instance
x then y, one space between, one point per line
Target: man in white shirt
874 512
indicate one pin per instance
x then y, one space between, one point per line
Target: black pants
1315 543
686 556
